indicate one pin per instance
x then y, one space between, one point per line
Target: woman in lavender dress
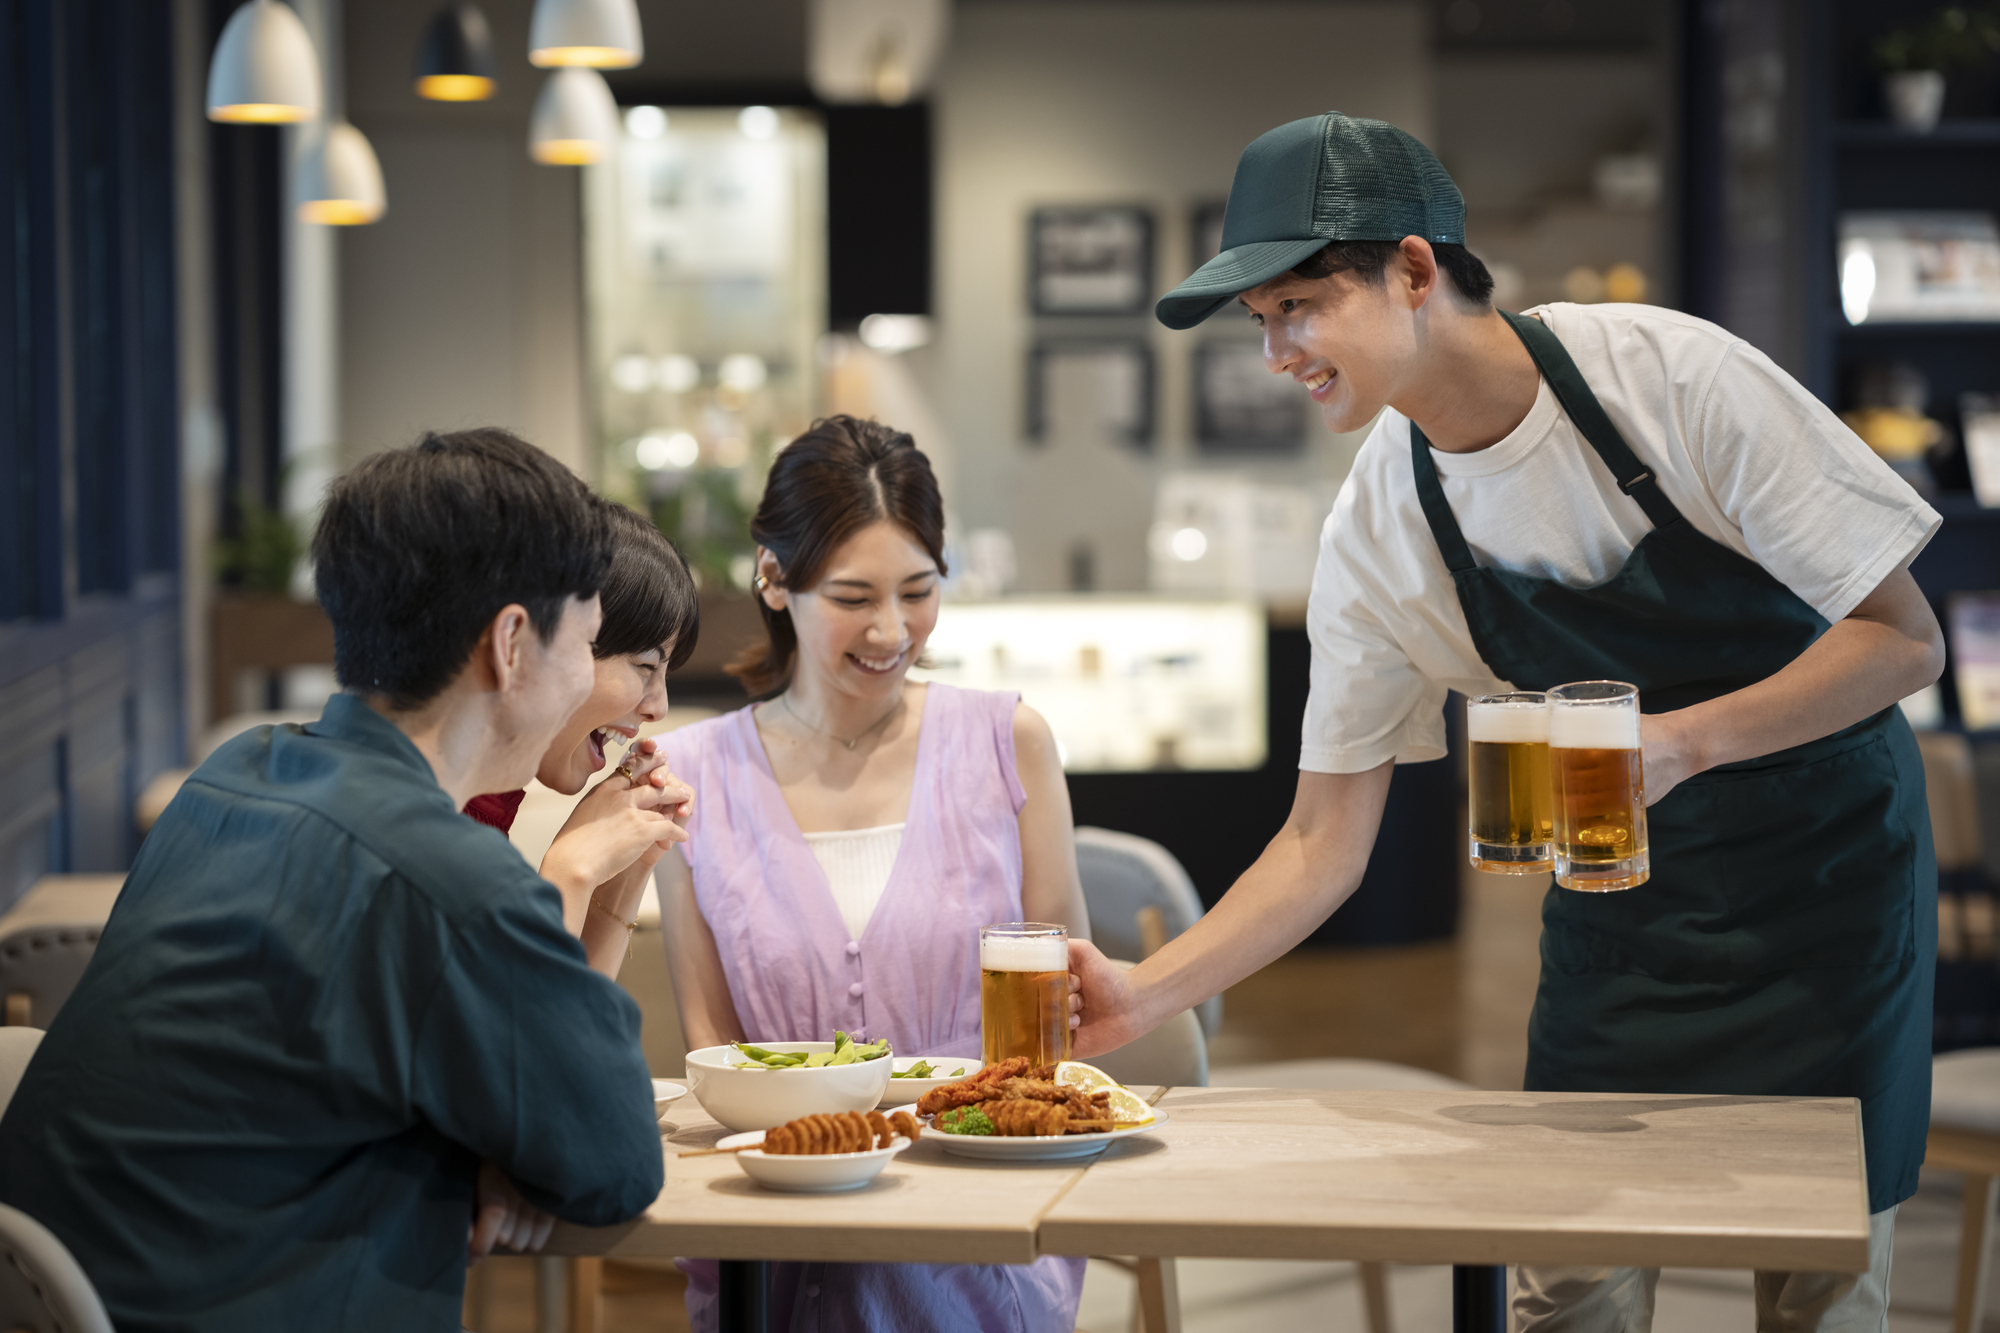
853 832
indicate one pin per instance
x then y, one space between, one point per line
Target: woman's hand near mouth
617 832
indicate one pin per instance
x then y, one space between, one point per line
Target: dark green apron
1785 942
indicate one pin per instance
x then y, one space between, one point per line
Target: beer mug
1024 992
1509 779
1600 785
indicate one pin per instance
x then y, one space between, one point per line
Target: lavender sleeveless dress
912 976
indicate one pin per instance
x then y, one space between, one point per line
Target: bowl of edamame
760 1085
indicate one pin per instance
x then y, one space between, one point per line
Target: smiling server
1598 492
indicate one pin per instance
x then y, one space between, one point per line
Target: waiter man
1585 493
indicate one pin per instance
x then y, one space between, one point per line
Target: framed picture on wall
1091 389
1205 231
1090 261
1240 407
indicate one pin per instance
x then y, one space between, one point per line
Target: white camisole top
857 864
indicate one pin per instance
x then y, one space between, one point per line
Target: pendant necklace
786 700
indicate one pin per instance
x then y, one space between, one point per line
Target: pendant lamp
882 51
339 182
575 121
455 58
264 71
600 34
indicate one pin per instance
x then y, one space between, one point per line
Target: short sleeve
1368 702
528 1057
1815 506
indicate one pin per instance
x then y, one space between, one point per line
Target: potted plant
1914 61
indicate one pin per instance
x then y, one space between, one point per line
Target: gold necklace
785 700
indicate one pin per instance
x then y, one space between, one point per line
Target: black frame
1216 437
1043 219
1139 436
1204 218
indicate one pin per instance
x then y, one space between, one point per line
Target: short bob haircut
418 549
831 482
649 598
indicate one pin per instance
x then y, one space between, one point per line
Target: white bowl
665 1094
811 1173
902 1090
759 1098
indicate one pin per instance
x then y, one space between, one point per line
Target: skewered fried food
845 1131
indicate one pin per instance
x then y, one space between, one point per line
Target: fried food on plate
1016 1099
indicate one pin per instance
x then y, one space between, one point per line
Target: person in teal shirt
335 1037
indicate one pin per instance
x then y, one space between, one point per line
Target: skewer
718 1152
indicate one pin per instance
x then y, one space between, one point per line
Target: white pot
1915 97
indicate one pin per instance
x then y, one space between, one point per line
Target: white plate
665 1093
1053 1148
903 1090
810 1173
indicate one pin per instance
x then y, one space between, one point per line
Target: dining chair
1345 1076
47 938
42 1287
1965 1136
1139 896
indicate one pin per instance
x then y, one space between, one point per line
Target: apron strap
1633 477
1437 509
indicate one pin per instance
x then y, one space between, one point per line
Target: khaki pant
1620 1300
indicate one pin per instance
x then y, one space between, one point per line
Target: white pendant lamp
264 71
575 121
339 182
598 34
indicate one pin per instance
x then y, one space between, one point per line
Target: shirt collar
347 717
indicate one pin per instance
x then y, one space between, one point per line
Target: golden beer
1598 771
1024 992
1509 800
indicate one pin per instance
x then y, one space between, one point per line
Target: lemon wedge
1127 1107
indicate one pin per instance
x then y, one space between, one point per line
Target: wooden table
1474 1179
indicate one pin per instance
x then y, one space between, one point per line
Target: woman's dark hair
1368 260
418 549
648 597
825 486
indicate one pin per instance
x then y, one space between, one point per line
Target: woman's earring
760 583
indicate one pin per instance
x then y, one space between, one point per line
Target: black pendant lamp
455 58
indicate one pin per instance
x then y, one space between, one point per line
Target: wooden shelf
1948 134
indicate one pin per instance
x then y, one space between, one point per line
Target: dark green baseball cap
1324 178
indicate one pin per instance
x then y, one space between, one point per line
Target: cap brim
1219 281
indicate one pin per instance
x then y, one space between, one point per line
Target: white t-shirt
1744 452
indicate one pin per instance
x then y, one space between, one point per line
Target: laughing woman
598 862
855 830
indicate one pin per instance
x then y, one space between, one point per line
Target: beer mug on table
1024 992
1600 786
1510 806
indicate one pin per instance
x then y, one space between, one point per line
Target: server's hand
1669 759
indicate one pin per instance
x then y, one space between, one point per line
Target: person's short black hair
649 596
1368 260
418 549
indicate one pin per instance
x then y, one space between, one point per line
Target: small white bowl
902 1090
759 1098
665 1094
811 1173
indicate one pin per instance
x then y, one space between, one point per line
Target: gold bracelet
630 926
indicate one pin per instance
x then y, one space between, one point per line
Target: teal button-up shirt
324 996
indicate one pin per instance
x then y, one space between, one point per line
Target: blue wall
90 652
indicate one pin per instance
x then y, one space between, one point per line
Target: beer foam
1594 728
1503 723
1023 953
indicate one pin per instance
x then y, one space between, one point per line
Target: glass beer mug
1024 992
1600 786
1510 798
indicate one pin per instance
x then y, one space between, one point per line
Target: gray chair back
47 939
1174 1054
41 1285
1122 876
